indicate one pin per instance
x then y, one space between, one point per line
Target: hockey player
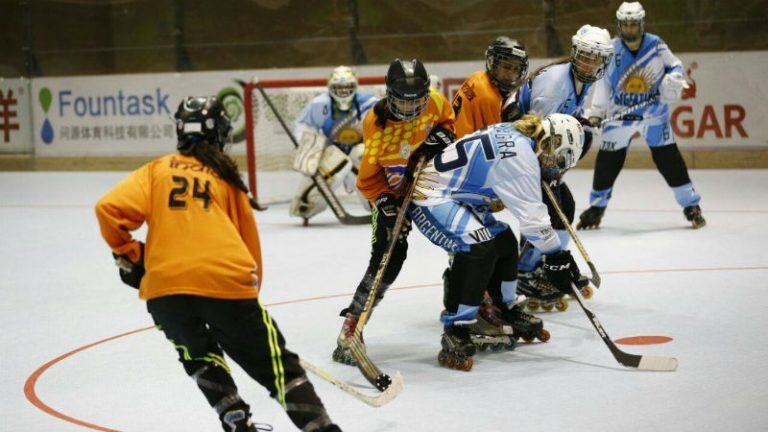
412 120
562 87
330 135
479 100
505 161
645 72
200 270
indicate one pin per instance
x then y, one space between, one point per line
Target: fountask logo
73 107
113 105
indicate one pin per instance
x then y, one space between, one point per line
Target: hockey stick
375 401
629 110
322 186
370 371
651 363
595 275
642 362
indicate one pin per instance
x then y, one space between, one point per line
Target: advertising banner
15 118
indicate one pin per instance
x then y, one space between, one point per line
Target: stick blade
595 275
657 363
389 394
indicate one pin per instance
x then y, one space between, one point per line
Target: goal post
269 151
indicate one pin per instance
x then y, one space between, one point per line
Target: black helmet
407 89
502 55
201 119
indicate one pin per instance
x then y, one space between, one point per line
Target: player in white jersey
452 201
644 74
562 87
329 131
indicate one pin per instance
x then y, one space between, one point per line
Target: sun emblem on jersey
639 82
349 136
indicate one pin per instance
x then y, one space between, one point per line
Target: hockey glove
435 142
131 272
387 206
561 270
511 111
671 88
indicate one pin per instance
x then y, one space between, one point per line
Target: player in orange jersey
200 271
478 103
412 120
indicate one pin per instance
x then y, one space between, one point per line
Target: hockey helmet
342 86
201 119
591 51
506 62
560 144
407 89
630 13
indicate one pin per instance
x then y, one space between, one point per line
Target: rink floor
705 289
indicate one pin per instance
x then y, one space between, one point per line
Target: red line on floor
31 394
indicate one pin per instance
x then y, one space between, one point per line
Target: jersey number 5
460 154
200 191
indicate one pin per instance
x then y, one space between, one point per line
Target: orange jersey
202 238
388 149
477 104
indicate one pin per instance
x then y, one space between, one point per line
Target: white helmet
560 145
342 86
591 51
631 12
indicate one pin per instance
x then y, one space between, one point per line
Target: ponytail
530 126
381 111
218 161
538 70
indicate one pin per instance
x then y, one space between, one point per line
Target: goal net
269 149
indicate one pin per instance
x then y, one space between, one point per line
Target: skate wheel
587 292
562 305
481 347
511 345
544 335
528 339
547 307
466 365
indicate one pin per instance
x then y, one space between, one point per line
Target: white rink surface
706 289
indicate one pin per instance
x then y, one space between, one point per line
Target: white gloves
671 88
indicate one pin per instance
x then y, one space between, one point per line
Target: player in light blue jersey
330 135
505 162
562 87
644 74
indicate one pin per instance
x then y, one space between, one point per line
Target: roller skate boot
525 326
540 292
590 218
693 214
458 348
343 353
491 331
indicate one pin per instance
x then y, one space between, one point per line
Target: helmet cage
514 59
407 107
589 65
342 86
557 151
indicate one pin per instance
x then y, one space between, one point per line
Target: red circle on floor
643 340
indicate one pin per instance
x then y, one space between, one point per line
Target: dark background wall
81 37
